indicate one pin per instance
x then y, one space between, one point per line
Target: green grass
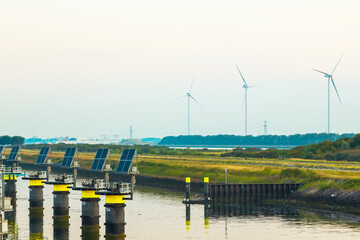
317 174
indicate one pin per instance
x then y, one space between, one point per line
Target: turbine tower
189 96
330 79
245 86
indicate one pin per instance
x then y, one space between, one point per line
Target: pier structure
115 197
36 202
11 173
90 207
61 205
238 193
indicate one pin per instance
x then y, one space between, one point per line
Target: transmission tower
265 127
131 133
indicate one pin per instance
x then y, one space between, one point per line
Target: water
159 214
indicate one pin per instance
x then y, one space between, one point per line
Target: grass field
319 174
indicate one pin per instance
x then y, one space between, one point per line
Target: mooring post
10 188
187 189
90 214
36 201
115 216
115 209
36 185
206 190
60 206
90 228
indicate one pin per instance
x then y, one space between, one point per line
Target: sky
91 68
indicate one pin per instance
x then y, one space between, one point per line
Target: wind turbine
245 86
189 96
330 78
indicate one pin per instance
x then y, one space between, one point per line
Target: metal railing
13 170
123 187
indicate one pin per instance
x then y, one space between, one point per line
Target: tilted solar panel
13 154
126 160
43 155
68 157
100 158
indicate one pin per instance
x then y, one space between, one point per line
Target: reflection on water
159 214
36 222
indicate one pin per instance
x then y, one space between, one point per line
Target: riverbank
322 181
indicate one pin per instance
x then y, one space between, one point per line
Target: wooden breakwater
249 192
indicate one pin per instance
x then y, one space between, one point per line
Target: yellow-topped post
206 190
115 216
90 215
187 189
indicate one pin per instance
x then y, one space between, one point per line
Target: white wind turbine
330 79
245 86
189 97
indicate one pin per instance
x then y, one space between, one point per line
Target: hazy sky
87 68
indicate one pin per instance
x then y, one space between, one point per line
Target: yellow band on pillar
37 182
89 194
9 177
114 199
61 187
188 180
206 179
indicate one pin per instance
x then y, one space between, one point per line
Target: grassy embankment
318 174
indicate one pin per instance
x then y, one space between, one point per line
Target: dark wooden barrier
250 192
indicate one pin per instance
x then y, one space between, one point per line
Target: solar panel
1 149
125 162
13 154
68 157
43 155
100 159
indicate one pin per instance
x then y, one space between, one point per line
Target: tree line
15 140
343 149
264 140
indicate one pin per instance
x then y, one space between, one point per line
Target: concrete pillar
115 217
10 188
90 215
36 198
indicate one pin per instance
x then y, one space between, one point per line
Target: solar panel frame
100 158
68 157
126 160
43 154
13 154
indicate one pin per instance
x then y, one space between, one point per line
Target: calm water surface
159 214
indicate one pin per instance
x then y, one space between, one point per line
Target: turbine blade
336 65
320 71
192 83
332 80
195 100
241 74
184 96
